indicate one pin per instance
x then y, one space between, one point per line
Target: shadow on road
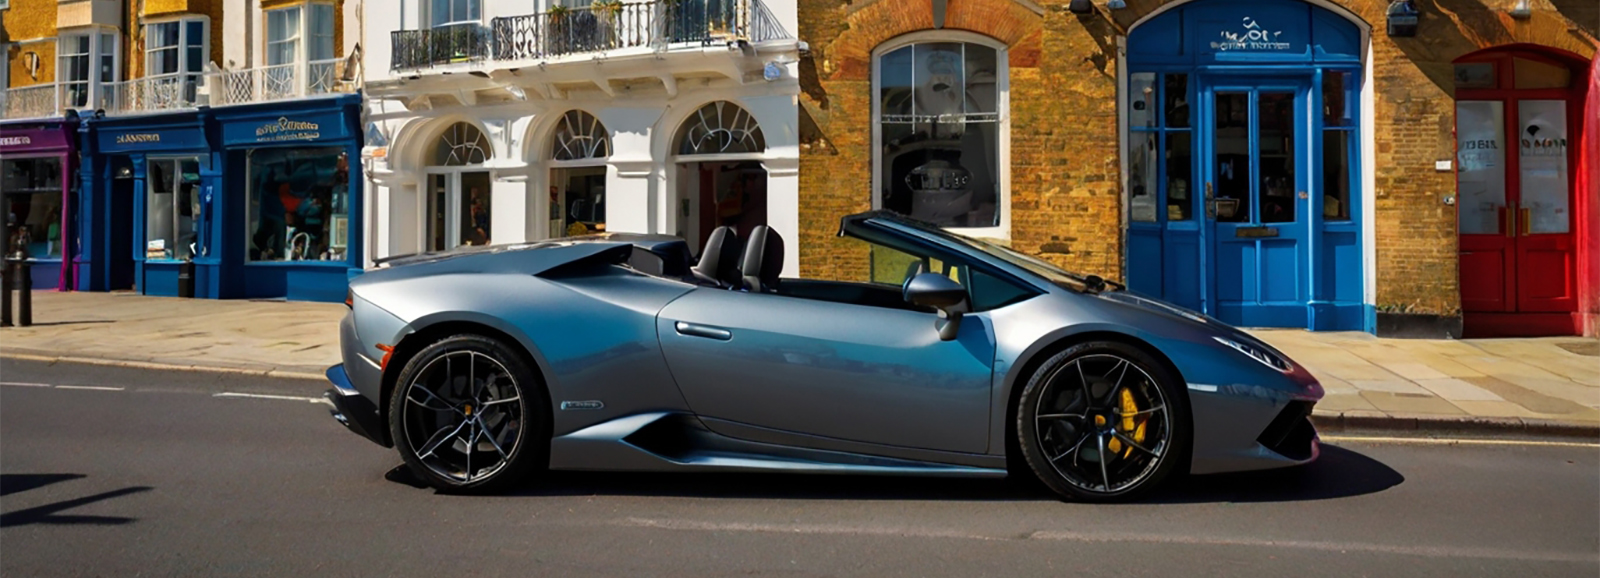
1338 473
47 514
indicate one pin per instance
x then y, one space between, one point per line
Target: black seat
763 260
719 261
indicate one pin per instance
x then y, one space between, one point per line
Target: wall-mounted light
1522 11
1403 17
1116 4
1080 7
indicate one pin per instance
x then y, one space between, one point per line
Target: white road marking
23 384
1459 441
91 387
1114 537
267 396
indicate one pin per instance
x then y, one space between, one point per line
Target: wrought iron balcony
277 82
441 45
616 25
31 102
154 93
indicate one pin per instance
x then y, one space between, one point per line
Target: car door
852 372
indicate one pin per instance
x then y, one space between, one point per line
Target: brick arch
1015 23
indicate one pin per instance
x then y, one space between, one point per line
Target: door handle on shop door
707 331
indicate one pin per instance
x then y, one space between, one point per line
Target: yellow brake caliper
1131 425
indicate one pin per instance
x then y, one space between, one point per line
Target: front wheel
1102 421
467 415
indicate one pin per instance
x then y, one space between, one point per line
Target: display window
33 205
172 231
299 204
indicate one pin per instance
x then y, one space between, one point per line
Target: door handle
707 331
1525 222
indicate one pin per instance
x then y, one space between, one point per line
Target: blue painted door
1255 166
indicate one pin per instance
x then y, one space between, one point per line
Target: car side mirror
942 293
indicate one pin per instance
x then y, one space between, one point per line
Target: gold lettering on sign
285 129
138 138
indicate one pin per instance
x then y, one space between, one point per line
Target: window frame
182 46
1002 230
176 163
305 35
99 48
295 39
435 23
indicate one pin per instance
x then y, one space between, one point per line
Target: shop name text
138 138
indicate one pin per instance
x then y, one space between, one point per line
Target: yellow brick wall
1065 171
31 25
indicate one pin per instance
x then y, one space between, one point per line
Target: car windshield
1049 271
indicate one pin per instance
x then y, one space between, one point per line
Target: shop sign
284 129
139 138
33 139
15 141
117 142
1250 36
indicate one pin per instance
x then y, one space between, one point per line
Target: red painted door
1515 137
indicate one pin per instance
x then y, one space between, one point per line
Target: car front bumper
354 410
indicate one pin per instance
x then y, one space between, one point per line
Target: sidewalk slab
1523 386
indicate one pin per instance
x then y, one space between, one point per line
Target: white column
783 209
631 203
405 219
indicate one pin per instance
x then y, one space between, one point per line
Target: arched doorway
458 191
578 151
1518 121
1243 177
720 179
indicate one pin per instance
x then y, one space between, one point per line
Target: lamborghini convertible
949 356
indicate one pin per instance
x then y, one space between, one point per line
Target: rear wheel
1102 421
468 415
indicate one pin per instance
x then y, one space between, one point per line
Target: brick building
1312 184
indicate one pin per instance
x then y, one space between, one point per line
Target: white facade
534 84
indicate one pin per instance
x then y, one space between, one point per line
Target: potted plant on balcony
609 13
558 34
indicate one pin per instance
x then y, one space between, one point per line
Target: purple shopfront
37 159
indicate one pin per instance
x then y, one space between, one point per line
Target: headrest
763 260
719 261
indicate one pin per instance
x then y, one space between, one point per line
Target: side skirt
680 442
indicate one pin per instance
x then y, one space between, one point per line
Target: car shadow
49 513
1338 473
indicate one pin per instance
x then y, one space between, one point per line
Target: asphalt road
163 477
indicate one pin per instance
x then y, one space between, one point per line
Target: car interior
755 265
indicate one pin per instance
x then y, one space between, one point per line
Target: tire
1076 398
443 417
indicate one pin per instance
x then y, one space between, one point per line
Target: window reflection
938 107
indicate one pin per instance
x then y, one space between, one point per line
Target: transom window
721 127
461 144
940 119
579 135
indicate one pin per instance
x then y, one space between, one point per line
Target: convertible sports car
957 358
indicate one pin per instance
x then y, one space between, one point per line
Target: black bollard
24 294
5 292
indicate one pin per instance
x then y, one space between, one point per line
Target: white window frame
296 36
305 35
1002 231
433 23
98 48
182 46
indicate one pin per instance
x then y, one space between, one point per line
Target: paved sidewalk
1545 385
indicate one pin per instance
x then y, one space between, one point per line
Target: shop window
1160 142
299 204
721 127
459 199
939 126
88 65
172 229
579 147
33 205
1338 143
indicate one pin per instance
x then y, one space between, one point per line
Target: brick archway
1016 23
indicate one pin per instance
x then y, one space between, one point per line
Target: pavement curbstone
1370 422
273 373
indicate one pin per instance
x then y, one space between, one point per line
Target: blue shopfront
1244 176
249 201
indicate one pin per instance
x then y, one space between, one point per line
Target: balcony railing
153 94
442 45
603 26
31 102
277 82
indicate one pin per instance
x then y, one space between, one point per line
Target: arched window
721 127
461 144
578 148
939 127
579 135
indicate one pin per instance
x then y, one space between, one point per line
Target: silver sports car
953 357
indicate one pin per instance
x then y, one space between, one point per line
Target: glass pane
196 60
196 34
580 206
1338 102
1542 156
1480 166
78 44
75 94
475 208
1142 179
186 207
1176 100
1232 190
77 68
982 73
1475 75
1533 74
1180 166
276 30
299 204
108 58
1275 145
160 236
1142 99
439 12
36 217
895 77
1336 175
474 9
438 202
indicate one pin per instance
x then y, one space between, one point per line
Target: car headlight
1260 354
